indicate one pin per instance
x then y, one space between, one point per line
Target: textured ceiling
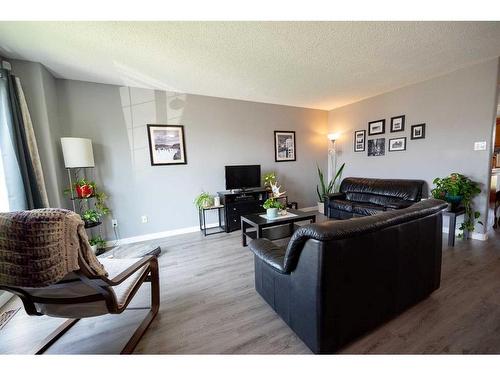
308 64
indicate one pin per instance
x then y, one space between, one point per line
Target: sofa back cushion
381 191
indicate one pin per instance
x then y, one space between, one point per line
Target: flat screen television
242 176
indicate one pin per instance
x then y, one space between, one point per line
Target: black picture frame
390 147
360 146
376 147
393 120
372 124
415 133
279 149
151 128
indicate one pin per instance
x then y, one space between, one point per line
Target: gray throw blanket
39 247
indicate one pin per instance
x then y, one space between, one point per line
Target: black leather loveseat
338 279
369 196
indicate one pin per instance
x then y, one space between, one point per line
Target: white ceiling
308 64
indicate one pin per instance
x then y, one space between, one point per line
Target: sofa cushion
367 209
341 205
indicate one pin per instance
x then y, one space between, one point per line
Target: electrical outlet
144 219
480 146
114 223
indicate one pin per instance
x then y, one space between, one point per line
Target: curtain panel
19 151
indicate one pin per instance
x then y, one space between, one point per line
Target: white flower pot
272 213
94 248
321 207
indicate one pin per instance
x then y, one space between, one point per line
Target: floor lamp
332 155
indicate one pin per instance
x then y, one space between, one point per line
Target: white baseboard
154 236
474 235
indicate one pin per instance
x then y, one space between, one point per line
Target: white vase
321 207
217 201
272 213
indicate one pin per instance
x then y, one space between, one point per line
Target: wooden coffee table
272 229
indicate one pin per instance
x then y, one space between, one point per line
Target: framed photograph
166 144
376 127
376 147
397 124
418 131
359 140
397 144
284 146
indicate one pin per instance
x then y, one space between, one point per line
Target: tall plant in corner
324 188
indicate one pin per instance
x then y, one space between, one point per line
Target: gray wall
218 132
458 108
39 87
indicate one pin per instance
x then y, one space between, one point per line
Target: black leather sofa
339 279
369 196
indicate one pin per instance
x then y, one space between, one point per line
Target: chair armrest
126 273
398 205
270 253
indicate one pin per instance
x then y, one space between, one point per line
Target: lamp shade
333 136
77 152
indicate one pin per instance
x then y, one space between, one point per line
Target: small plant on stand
204 200
457 190
97 243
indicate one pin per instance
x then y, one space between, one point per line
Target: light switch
480 146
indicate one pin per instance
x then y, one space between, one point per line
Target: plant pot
84 191
272 213
321 207
94 248
454 200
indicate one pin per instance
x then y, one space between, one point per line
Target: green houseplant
272 205
325 188
204 200
458 189
97 242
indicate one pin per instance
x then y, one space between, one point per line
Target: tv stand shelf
241 203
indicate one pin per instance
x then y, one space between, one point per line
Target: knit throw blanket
39 247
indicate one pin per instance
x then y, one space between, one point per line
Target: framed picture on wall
166 144
376 147
359 140
418 131
284 146
376 127
397 144
397 124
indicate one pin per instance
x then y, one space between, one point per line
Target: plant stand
453 223
203 221
81 204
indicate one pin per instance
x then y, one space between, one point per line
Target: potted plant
91 216
204 200
97 243
324 189
83 188
272 205
458 189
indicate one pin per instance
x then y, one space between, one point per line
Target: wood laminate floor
209 305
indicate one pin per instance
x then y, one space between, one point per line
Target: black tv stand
241 202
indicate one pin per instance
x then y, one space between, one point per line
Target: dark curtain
19 141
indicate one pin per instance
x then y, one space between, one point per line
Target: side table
203 221
453 223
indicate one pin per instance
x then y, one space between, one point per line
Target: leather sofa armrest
335 196
269 252
398 205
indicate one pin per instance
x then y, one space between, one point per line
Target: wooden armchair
82 293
